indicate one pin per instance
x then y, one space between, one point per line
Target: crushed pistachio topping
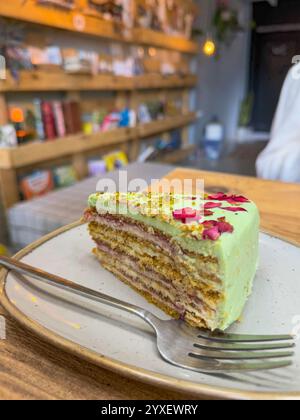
187 212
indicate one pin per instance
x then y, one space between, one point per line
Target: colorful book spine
76 113
48 119
39 125
59 119
71 111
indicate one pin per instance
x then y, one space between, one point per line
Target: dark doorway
275 41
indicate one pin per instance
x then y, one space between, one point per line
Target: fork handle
52 279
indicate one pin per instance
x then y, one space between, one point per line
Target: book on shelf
8 136
39 124
48 120
72 117
59 119
36 184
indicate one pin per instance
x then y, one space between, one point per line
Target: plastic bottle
213 139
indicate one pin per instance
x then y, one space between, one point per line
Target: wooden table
278 202
32 369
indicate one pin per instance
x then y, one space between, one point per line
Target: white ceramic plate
125 344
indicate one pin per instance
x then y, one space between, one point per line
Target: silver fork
181 345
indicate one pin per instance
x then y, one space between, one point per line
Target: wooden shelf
167 124
154 81
161 40
40 152
29 11
41 80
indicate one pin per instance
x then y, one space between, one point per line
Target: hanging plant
225 22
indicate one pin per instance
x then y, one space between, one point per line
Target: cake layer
161 265
208 303
154 270
195 257
198 266
189 309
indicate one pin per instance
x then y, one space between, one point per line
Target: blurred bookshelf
77 19
155 82
77 147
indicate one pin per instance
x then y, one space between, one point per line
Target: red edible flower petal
231 199
209 223
234 199
210 205
212 233
225 227
214 229
186 214
189 212
208 213
195 218
219 196
177 214
233 209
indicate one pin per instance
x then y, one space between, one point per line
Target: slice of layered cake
193 257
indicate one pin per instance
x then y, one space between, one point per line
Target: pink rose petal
231 199
225 227
212 233
187 215
219 196
208 213
234 199
210 205
214 229
233 209
209 223
184 213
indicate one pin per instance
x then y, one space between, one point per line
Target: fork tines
215 348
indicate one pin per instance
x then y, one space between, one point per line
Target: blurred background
91 86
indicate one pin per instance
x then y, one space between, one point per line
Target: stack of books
47 121
57 119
